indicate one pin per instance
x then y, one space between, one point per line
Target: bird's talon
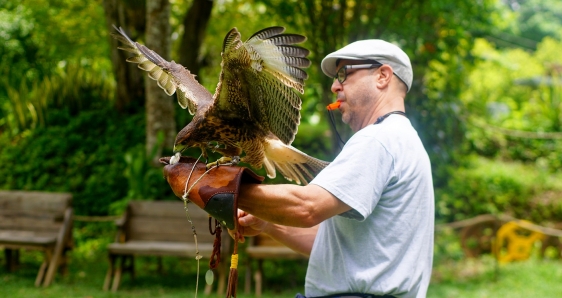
210 165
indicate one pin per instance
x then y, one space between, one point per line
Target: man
367 220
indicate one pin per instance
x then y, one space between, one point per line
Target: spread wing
171 76
259 78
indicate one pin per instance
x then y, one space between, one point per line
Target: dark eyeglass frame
341 75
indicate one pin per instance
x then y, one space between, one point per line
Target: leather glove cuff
215 191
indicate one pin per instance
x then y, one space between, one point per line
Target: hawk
255 109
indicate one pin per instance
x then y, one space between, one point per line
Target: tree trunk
129 93
159 106
195 26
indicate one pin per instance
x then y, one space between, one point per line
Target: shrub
488 186
82 154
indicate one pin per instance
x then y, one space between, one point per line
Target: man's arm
288 213
290 205
297 239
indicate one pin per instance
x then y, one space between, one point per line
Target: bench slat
28 223
27 238
35 201
277 252
31 213
160 248
167 229
163 209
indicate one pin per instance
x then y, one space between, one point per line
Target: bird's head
184 140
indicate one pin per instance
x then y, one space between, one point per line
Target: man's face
356 94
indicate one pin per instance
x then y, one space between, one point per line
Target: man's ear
384 77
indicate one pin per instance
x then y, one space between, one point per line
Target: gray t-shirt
384 244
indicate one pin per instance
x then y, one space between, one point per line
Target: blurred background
486 101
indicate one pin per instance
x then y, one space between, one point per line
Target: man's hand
248 225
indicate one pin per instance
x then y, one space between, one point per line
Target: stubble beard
354 114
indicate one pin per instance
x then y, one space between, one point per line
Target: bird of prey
255 109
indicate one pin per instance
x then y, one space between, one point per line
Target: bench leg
64 263
160 266
118 272
258 278
41 273
109 274
51 268
223 276
208 289
12 259
248 278
44 267
131 266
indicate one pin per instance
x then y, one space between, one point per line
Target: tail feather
269 168
292 163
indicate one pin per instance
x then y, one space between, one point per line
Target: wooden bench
262 247
37 221
161 228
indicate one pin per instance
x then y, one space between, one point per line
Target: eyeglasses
341 75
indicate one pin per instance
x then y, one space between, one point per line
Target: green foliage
537 19
38 34
91 238
38 39
145 181
517 90
17 48
75 87
82 154
495 187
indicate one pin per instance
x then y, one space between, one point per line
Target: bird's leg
231 160
204 153
225 160
231 156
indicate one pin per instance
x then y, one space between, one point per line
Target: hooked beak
179 148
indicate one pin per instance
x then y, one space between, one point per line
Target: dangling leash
217 231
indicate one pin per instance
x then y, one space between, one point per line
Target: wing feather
170 76
155 73
163 81
287 39
294 51
147 65
268 32
136 59
260 77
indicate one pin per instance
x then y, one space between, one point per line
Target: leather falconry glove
215 191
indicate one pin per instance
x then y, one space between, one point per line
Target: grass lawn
86 277
479 279
467 278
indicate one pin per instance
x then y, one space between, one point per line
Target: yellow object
234 261
517 241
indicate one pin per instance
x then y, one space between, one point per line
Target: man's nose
336 86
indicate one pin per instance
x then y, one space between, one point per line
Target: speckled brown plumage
255 111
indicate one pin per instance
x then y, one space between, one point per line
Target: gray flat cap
372 49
